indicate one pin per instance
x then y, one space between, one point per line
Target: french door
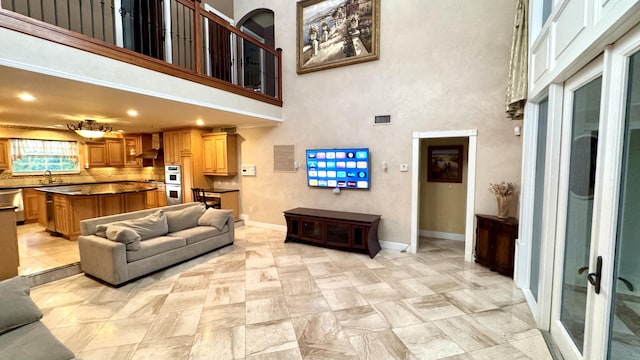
596 297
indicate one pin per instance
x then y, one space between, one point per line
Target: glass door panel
581 181
536 235
625 316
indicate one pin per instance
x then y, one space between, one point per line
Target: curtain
518 79
25 147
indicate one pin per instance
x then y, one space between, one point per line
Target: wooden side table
495 243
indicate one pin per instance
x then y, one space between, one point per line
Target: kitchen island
61 208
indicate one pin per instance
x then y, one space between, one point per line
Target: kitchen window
30 156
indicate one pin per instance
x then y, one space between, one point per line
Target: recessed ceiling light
26 97
121 130
199 122
132 112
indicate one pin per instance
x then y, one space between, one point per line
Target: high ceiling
59 101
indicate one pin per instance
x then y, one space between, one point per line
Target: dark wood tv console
336 229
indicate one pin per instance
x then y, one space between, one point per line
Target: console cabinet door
504 248
338 234
312 230
483 242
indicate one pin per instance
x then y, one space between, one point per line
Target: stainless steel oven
174 194
172 174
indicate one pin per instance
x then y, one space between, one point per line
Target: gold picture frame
333 33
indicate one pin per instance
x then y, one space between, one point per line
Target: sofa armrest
103 258
231 222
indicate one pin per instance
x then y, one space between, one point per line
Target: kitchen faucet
47 174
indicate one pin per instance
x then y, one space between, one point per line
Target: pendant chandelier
89 129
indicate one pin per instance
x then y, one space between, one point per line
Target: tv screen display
346 168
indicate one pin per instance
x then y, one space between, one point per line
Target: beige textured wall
443 66
442 205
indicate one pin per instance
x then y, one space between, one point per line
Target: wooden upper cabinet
172 148
220 155
109 153
4 154
132 148
97 154
115 152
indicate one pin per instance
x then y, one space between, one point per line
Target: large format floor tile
263 299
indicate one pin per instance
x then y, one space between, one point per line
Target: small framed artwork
332 33
445 164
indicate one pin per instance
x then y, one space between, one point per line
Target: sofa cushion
183 219
199 233
155 246
16 307
33 342
214 217
148 227
124 235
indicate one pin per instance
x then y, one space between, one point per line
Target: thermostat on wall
248 170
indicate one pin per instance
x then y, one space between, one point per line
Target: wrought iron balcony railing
177 37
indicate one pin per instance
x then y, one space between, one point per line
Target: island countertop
99 189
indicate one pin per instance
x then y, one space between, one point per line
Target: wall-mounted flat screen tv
346 168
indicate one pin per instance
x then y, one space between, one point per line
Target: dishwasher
13 197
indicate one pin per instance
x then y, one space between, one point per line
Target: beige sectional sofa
22 334
122 247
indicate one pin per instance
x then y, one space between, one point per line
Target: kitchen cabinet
184 147
496 243
9 256
135 201
177 143
61 213
109 153
132 148
31 204
4 153
111 204
157 198
220 154
42 209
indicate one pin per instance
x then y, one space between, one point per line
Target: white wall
443 66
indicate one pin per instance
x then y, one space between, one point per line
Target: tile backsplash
86 176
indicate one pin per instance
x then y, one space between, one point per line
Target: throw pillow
214 217
184 219
17 308
125 235
147 227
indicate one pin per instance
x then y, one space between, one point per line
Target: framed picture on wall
332 33
445 164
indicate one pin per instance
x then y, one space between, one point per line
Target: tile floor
40 251
263 299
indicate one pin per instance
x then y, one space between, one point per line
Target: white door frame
471 185
560 335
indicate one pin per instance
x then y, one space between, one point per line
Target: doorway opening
420 209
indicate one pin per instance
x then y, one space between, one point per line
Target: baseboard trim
442 235
262 225
394 245
383 244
